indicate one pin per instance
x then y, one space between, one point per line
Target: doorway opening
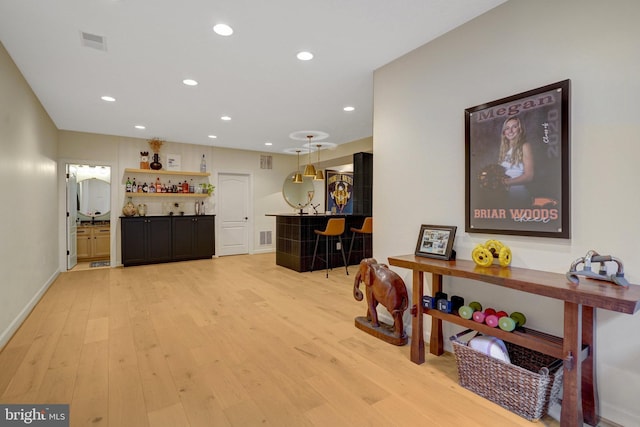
88 202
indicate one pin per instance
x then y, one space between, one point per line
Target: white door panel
233 214
72 215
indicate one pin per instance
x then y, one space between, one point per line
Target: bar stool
367 228
335 227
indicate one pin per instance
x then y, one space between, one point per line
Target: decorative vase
142 209
156 165
129 209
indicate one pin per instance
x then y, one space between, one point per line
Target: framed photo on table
517 164
436 241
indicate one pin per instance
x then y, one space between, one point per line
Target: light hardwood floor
233 341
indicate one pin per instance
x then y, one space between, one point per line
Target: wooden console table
580 398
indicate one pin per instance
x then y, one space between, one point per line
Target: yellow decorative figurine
484 254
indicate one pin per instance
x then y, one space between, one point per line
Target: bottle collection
161 187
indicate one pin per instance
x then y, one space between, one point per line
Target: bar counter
295 241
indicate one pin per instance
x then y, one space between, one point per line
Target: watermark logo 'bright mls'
34 415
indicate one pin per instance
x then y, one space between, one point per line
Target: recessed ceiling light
348 108
222 29
140 127
304 56
108 98
268 143
212 136
190 82
225 118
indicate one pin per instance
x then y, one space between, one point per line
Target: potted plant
207 188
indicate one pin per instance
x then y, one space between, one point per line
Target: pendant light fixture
297 178
309 170
319 174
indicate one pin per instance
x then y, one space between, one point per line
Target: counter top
162 216
311 215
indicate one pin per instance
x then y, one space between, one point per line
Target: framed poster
517 164
339 192
436 241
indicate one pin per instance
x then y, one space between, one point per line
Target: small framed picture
436 241
173 162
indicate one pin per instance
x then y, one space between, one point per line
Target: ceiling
252 76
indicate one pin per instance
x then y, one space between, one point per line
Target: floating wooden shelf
166 172
194 195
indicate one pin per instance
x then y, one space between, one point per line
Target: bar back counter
295 241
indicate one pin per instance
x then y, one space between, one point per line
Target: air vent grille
266 162
265 238
93 41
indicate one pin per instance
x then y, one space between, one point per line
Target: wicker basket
526 386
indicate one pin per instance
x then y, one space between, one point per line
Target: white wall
28 142
122 153
419 105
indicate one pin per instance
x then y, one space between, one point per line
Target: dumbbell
450 306
480 316
432 302
509 323
466 311
492 320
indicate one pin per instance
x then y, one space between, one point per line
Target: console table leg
571 397
417 326
436 345
590 403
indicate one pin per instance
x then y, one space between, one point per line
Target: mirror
298 195
93 197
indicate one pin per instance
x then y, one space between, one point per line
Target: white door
72 215
233 214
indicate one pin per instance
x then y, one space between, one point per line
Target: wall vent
266 161
93 41
265 238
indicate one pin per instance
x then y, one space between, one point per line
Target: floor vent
93 41
266 162
265 238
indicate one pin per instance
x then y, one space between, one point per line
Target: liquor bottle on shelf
203 164
192 189
158 185
128 188
185 186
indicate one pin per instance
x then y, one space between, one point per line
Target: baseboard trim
6 335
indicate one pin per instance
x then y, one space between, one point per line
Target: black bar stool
367 228
335 227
